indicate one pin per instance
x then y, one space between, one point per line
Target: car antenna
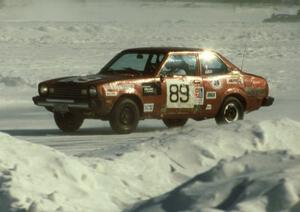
244 53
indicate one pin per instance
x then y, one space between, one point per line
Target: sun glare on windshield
207 55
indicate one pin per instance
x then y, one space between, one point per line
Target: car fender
135 97
238 93
116 91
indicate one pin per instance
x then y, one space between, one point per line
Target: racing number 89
179 93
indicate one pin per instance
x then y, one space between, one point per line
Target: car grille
66 92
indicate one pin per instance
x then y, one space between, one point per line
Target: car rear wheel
68 122
232 110
125 116
170 123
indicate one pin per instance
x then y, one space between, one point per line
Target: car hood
85 80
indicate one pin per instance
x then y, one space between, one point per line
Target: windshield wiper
107 71
131 71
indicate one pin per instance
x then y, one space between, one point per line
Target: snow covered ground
248 166
255 167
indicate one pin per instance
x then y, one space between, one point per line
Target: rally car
172 84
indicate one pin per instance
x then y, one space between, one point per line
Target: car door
182 91
214 73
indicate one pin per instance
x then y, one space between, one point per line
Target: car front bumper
268 101
66 104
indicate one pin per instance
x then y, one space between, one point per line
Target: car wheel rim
126 116
231 113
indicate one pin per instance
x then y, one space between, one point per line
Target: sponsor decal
234 81
111 93
211 95
147 89
254 91
199 94
235 78
125 86
112 89
250 91
151 89
81 79
208 107
216 84
260 91
148 107
208 71
128 88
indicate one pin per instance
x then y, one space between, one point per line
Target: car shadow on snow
81 132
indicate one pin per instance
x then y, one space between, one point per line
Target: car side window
212 64
157 58
153 63
178 64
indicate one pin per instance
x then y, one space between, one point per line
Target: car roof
163 49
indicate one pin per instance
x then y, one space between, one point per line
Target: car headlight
93 91
84 92
43 89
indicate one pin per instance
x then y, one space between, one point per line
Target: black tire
68 122
170 123
125 116
232 110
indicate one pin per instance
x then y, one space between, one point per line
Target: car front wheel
170 123
68 122
125 116
231 110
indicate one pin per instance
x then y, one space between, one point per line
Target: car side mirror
139 56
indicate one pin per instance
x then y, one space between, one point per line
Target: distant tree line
297 2
4 3
258 1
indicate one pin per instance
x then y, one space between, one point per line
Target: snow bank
38 178
196 147
233 152
10 81
257 181
52 33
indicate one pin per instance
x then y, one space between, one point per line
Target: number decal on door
179 92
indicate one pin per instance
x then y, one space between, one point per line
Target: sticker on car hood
82 79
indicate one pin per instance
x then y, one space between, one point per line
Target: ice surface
36 47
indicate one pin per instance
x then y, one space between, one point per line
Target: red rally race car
172 84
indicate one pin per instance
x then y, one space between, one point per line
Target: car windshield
133 63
